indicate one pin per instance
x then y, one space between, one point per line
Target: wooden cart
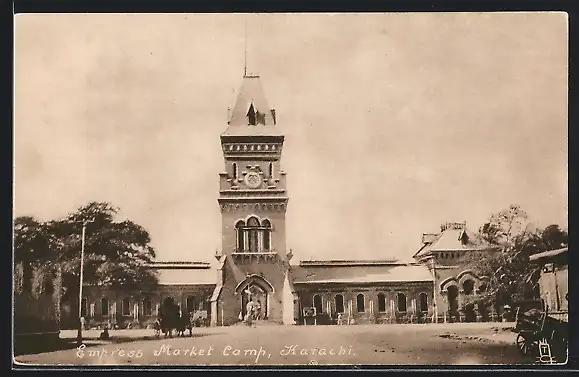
530 330
549 326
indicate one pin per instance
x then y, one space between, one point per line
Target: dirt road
303 345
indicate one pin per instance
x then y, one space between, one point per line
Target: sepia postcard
300 189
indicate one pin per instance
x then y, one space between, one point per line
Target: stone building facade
189 284
254 262
447 253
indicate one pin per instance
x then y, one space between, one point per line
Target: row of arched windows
236 171
401 303
253 236
192 303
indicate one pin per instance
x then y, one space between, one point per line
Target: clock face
253 180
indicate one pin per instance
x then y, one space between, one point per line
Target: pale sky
394 123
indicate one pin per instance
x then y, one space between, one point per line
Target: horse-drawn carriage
545 332
173 319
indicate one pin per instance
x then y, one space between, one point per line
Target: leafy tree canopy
508 273
117 253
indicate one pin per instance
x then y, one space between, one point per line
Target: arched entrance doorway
452 295
255 288
468 290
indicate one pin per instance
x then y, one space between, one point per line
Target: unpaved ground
304 345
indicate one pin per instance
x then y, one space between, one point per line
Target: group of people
252 312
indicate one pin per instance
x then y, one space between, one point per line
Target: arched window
423 302
339 300
318 304
266 235
468 287
360 303
104 306
253 224
401 302
126 306
191 304
234 171
147 307
240 235
381 303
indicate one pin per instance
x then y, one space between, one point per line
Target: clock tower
253 262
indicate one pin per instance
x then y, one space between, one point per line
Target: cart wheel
525 345
522 344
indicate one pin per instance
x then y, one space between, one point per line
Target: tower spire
245 56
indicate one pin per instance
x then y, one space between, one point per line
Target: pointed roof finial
245 57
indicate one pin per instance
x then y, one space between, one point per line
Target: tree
508 272
117 254
553 237
505 226
30 247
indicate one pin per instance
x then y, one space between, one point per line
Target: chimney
273 116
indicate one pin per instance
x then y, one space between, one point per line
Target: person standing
258 310
249 313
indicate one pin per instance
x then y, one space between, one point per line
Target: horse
185 323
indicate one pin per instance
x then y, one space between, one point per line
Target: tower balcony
241 256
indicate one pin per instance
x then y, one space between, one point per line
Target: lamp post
79 335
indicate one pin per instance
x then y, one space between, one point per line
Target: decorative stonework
259 258
257 207
251 147
252 177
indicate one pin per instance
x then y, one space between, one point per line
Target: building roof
335 263
549 254
180 265
185 273
360 274
453 237
251 96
